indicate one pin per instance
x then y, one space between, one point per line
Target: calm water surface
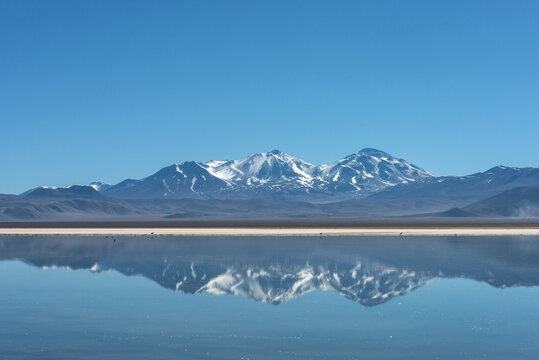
269 298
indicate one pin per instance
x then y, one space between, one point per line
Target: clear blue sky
118 89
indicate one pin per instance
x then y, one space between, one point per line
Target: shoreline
273 231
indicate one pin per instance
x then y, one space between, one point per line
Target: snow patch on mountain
100 185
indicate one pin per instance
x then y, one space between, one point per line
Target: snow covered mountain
100 185
188 179
369 170
274 175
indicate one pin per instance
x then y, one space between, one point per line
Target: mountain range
369 183
274 175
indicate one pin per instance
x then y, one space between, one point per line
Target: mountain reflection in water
273 270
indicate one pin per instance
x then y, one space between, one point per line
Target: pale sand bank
272 231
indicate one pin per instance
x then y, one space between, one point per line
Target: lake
269 297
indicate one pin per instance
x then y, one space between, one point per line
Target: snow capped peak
370 170
371 151
190 164
100 185
260 168
276 174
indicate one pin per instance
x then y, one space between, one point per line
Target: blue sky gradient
118 89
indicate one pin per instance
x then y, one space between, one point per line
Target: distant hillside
73 202
461 191
520 202
73 191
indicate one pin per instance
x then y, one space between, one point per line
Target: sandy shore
271 231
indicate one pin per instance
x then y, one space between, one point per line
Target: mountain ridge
276 175
367 184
